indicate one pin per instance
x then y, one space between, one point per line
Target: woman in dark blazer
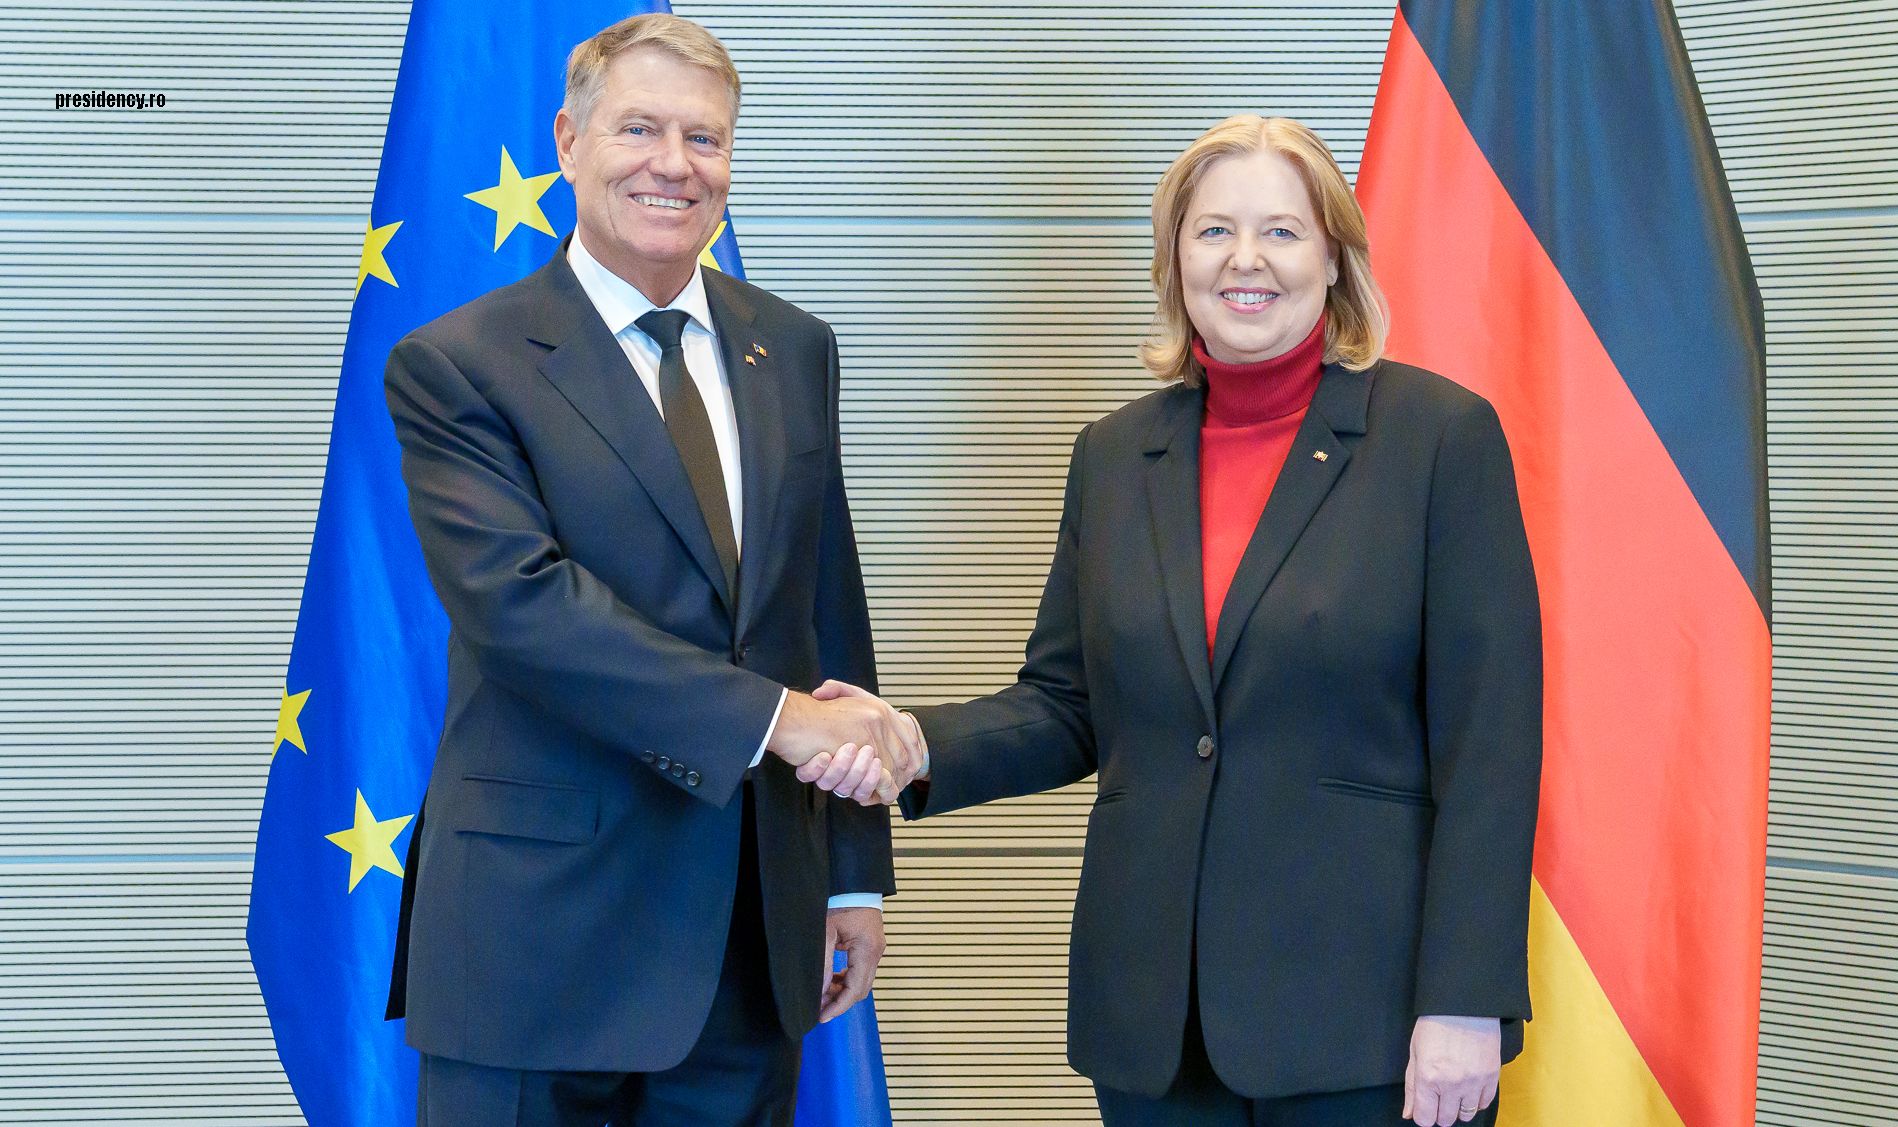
1292 623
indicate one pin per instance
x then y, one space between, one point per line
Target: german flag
1551 223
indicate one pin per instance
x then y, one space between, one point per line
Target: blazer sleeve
860 859
535 621
1037 734
1483 722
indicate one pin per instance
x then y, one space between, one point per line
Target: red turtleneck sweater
1252 414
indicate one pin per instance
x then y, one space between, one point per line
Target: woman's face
1254 260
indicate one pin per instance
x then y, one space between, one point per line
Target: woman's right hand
854 771
851 764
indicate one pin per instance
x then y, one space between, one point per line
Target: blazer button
664 762
691 778
1205 747
646 755
678 770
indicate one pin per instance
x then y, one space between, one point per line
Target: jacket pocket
491 804
1373 791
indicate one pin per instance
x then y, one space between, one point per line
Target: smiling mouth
1248 300
671 203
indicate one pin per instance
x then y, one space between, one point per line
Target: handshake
849 742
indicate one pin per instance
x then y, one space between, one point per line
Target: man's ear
565 134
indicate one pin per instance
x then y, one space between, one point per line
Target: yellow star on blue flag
516 200
370 843
288 730
375 240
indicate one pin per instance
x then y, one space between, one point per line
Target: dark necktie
691 430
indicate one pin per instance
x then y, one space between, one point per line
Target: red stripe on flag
1653 833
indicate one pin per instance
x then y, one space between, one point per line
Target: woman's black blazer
1332 819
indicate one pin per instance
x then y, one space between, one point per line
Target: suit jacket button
664 762
678 770
646 755
691 778
1205 747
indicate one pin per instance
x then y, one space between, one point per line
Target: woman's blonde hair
1356 321
675 35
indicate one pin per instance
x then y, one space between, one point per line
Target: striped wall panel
1832 412
269 109
126 996
1799 92
962 192
174 288
1827 1057
161 451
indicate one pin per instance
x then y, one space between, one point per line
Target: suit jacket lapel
588 367
1338 407
1173 495
757 398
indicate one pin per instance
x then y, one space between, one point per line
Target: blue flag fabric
842 1082
468 198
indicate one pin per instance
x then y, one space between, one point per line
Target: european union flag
466 201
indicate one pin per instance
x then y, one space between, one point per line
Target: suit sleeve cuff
915 725
857 900
772 728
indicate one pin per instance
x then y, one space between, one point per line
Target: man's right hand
840 714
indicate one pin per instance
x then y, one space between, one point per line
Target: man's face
650 168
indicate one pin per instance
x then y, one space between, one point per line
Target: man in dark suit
624 472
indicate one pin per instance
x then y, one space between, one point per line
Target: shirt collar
620 303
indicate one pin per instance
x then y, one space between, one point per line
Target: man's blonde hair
675 35
1356 322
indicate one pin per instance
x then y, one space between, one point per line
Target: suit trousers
742 1072
1200 1098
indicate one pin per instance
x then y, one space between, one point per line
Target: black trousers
741 1073
1198 1097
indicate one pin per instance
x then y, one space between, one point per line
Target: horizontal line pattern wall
1034 110
162 437
268 109
126 995
954 1002
973 356
1832 413
962 191
174 290
1827 1054
1795 91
